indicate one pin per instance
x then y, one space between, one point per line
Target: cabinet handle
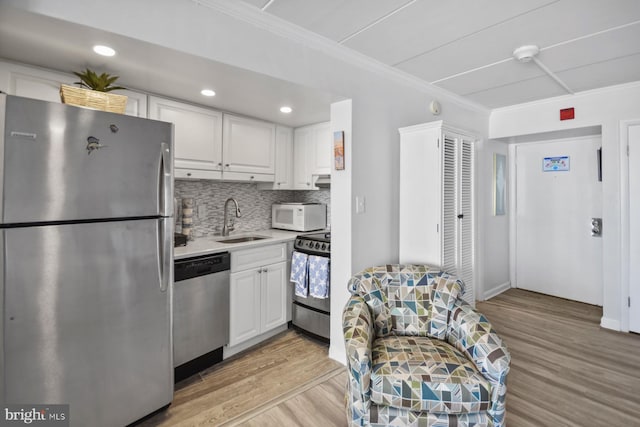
226 165
264 270
220 164
308 183
188 173
460 216
251 177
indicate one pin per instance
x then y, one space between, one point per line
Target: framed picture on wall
499 184
338 150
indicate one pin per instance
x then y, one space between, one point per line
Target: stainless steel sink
242 239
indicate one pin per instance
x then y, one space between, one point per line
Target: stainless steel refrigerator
86 261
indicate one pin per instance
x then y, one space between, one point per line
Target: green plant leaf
101 83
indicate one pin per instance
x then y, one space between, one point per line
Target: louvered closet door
457 211
449 204
465 224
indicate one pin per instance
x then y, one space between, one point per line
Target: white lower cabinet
258 292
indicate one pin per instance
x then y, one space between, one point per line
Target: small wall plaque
555 164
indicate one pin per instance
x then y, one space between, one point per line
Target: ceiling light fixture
104 50
528 53
286 109
207 92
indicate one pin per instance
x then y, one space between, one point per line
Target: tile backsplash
255 205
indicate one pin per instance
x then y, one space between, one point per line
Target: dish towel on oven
318 276
299 273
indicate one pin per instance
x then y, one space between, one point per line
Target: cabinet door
274 296
322 141
248 146
244 310
197 134
284 158
42 84
301 153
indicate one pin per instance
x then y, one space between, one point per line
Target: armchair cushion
408 299
422 374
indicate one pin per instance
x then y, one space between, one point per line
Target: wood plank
566 371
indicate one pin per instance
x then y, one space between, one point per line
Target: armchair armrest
470 332
357 327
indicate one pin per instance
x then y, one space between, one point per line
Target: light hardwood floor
565 371
245 383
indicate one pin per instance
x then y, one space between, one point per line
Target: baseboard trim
608 323
497 290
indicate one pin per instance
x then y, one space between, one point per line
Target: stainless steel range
312 314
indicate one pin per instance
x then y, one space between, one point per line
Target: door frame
625 260
513 202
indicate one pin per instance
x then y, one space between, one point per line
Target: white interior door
555 251
634 228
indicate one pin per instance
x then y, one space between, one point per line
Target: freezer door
86 320
69 163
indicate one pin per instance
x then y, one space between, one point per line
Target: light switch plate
360 204
202 211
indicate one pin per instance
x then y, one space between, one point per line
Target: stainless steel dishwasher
200 312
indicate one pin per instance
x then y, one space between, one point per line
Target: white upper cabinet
284 161
197 137
248 149
321 136
311 155
37 83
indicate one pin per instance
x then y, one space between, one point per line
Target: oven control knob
328 247
324 246
317 245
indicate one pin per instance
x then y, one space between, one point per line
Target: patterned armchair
417 354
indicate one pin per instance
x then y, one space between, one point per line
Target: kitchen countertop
212 244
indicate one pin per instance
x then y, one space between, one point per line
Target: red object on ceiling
567 114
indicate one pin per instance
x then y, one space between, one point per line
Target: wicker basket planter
93 99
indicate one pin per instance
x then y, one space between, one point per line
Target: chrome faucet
225 227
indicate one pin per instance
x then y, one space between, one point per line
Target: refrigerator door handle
164 252
166 190
2 292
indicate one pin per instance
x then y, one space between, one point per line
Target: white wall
605 108
341 201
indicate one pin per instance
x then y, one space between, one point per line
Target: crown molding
263 20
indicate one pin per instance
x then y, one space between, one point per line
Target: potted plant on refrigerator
94 92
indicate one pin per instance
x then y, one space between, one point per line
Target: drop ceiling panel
427 25
256 3
601 47
556 23
334 19
517 93
608 73
503 73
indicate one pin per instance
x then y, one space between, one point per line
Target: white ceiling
463 46
154 69
466 46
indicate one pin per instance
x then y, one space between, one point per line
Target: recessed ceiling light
286 110
207 92
104 50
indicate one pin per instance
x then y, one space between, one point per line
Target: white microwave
299 216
